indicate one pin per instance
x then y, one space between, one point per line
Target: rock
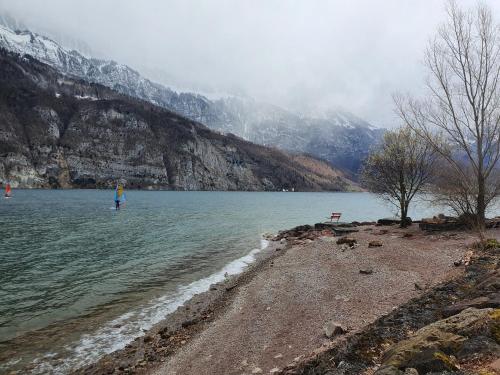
434 348
344 247
375 243
457 263
326 225
333 329
327 239
393 221
366 271
491 300
257 370
411 371
274 370
347 240
388 370
490 282
478 344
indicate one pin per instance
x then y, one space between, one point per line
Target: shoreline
189 317
148 354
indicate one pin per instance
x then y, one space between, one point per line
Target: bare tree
460 116
400 168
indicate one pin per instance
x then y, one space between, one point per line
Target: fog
305 55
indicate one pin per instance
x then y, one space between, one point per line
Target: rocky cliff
57 131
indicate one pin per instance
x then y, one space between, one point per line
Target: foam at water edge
131 325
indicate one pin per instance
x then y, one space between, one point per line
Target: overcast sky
304 55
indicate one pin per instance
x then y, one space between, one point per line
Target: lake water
79 279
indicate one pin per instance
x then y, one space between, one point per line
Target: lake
80 279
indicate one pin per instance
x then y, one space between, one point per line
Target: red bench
335 216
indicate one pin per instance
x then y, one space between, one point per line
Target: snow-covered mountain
338 137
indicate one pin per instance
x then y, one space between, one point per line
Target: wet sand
274 314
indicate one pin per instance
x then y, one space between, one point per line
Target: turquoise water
79 279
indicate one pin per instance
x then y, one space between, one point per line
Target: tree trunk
481 205
404 214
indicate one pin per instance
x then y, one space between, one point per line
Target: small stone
411 371
244 362
274 370
457 263
347 240
418 286
268 308
257 370
183 342
366 271
278 356
375 243
333 328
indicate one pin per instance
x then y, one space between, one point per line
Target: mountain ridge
61 132
341 138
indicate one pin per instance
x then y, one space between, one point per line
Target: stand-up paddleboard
8 191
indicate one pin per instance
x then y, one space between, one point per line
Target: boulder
436 347
375 243
333 329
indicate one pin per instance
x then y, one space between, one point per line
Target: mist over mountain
338 137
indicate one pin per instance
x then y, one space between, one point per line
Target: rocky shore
365 299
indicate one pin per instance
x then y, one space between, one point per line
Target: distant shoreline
185 191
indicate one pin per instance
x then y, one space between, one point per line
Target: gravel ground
278 315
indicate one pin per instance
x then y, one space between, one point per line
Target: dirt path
280 314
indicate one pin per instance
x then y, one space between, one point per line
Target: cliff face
57 131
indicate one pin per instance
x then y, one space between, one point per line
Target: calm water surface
79 279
